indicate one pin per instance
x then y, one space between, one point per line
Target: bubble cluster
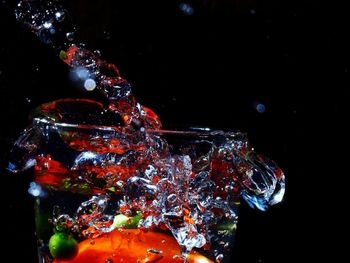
47 19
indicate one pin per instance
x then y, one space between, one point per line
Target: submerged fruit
127 222
63 246
132 245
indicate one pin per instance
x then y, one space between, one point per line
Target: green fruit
63 246
120 220
134 221
230 227
127 222
63 55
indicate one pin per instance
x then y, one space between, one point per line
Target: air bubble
70 36
60 16
89 84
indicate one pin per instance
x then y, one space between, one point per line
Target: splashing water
129 172
48 20
51 23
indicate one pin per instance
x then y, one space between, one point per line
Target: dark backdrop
210 68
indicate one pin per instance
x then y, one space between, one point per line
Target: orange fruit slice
132 245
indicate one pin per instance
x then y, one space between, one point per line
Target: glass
109 193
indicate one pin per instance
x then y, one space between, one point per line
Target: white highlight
277 198
58 15
202 260
47 25
85 156
89 84
35 189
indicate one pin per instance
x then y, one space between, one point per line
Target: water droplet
70 36
89 84
35 189
152 256
92 210
229 188
260 108
60 16
154 251
107 35
108 260
219 258
186 8
97 52
46 165
92 242
150 171
172 198
47 25
75 229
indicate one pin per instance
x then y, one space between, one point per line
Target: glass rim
201 132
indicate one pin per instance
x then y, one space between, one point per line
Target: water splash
52 24
191 188
49 20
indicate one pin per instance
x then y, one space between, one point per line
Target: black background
207 69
